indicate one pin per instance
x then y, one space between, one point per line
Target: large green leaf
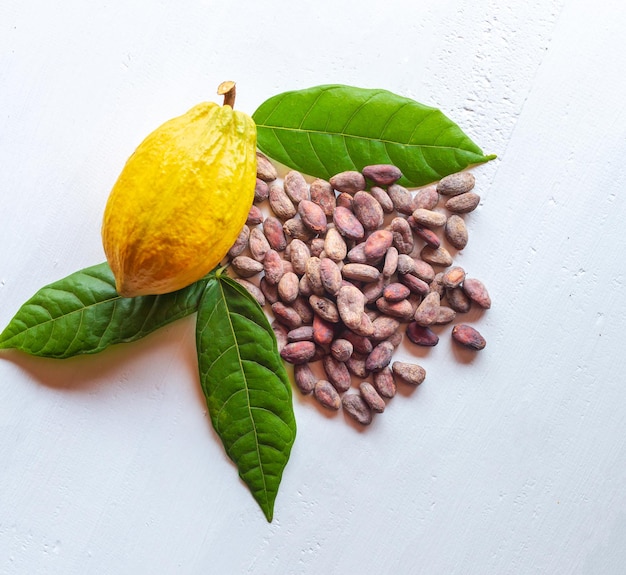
325 130
83 313
246 387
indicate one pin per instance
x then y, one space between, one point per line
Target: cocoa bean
298 352
296 187
368 210
458 300
337 373
377 244
437 285
384 383
347 224
330 275
419 335
357 254
312 216
304 378
384 327
273 266
246 266
379 357
426 198
426 234
477 292
429 218
456 184
253 290
350 304
382 174
356 366
395 339
265 170
313 274
436 256
371 397
280 331
302 333
280 203
453 277
316 246
261 191
410 373
334 245
240 243
294 228
299 254
399 309
401 199
360 272
327 395
396 292
373 290
463 203
402 235
323 331
382 197
456 232
341 349
423 270
322 193
427 312
344 200
406 264
273 230
445 315
468 337
356 407
303 309
325 308
270 291
286 315
305 287
415 284
349 182
360 344
365 327
288 287
255 216
258 244
391 262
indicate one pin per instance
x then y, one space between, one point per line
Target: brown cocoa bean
382 197
382 174
458 300
428 310
325 308
313 216
273 266
265 170
477 292
368 211
327 395
305 287
356 366
246 266
294 228
344 200
360 344
349 182
453 277
373 290
270 291
286 315
426 234
299 255
356 407
253 290
463 203
347 224
341 349
334 245
384 382
410 373
241 243
402 235
258 244
436 256
401 199
365 327
445 315
456 184
468 337
280 331
296 187
316 245
426 198
298 352
456 232
396 292
323 331
280 203
395 339
303 309
255 216
302 333
384 327
377 244
357 254
313 274
399 309
420 335
350 304
406 264
379 357
371 397
273 230
322 193
261 191
288 287
304 377
391 262
330 275
415 284
360 272
437 285
429 218
423 270
337 373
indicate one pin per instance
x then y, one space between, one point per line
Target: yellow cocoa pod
181 200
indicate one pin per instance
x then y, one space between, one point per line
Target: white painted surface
513 462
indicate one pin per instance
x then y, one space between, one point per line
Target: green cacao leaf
246 387
83 313
328 129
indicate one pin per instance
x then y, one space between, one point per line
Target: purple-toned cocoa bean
347 224
468 336
419 335
382 174
356 407
410 373
372 397
327 395
305 378
296 187
298 352
384 382
337 373
322 193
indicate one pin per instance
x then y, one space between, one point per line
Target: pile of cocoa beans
347 267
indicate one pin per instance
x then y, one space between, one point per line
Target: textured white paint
510 462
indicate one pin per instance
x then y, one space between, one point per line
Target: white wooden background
512 462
